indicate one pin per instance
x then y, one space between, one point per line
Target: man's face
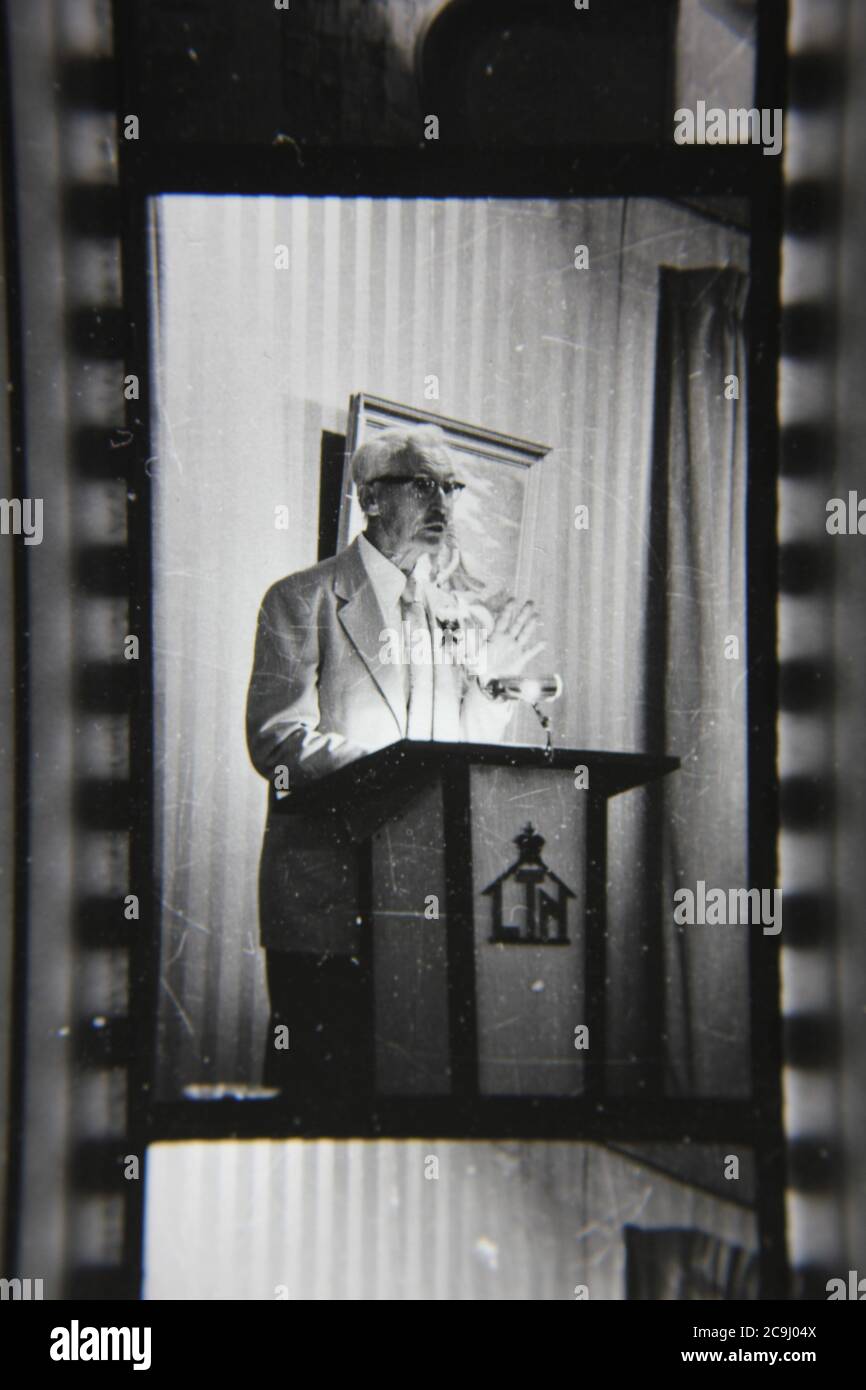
415 513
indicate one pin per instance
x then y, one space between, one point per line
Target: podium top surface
411 762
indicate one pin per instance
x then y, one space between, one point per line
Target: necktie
420 710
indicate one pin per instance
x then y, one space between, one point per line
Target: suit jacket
321 696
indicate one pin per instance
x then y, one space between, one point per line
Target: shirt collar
388 581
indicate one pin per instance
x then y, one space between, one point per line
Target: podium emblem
538 898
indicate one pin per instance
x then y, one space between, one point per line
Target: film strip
103 945
808 683
69 1201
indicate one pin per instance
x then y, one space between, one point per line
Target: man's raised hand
511 646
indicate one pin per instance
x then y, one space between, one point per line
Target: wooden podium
482 899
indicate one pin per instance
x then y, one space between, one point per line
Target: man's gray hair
411 445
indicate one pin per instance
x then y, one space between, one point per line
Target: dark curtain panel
695 681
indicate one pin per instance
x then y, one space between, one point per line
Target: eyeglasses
425 487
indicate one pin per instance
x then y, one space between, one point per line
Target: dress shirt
484 720
388 581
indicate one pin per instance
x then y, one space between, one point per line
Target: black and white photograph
488 914
580 541
434 792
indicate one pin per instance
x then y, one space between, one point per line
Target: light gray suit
320 696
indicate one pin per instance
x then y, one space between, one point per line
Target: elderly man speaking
327 688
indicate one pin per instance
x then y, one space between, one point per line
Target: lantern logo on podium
535 894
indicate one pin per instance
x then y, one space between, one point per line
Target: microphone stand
544 721
530 690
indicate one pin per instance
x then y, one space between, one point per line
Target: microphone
529 689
